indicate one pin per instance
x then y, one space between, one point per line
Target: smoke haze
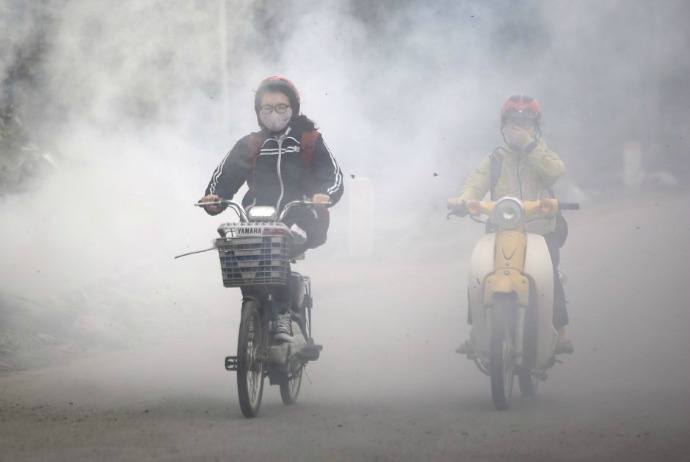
138 101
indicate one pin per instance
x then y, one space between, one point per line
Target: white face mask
275 122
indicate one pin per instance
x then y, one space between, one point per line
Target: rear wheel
528 383
291 384
250 362
501 361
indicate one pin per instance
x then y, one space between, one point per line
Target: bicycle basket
254 256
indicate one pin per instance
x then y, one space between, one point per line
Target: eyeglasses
266 109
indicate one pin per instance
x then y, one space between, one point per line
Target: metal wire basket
254 259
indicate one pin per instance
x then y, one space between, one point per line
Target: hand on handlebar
211 209
321 200
457 206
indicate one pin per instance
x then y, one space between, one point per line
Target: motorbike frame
278 355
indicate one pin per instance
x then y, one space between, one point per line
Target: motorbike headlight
262 213
508 213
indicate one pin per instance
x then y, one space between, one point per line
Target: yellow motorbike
510 295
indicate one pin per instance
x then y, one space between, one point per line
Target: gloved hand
458 206
321 199
517 138
212 209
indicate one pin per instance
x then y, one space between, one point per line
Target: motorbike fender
506 281
481 265
539 268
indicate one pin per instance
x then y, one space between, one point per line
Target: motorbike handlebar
227 203
292 204
223 202
543 207
457 211
569 205
243 213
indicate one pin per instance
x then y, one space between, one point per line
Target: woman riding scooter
525 168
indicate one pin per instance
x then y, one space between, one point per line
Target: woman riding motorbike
525 168
286 160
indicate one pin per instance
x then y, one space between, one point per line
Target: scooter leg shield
481 264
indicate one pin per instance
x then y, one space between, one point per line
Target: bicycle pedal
231 363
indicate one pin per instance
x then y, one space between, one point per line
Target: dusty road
388 386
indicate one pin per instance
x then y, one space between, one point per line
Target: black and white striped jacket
279 173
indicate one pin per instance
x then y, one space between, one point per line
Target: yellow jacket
525 176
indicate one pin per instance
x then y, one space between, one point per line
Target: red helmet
281 84
521 106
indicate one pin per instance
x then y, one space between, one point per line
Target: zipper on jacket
278 167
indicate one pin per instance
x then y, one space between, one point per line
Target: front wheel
250 362
528 382
501 361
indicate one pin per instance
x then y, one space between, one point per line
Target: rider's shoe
304 349
564 346
282 328
298 337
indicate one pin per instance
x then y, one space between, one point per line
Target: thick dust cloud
138 101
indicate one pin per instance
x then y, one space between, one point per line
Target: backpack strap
495 171
256 139
308 146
